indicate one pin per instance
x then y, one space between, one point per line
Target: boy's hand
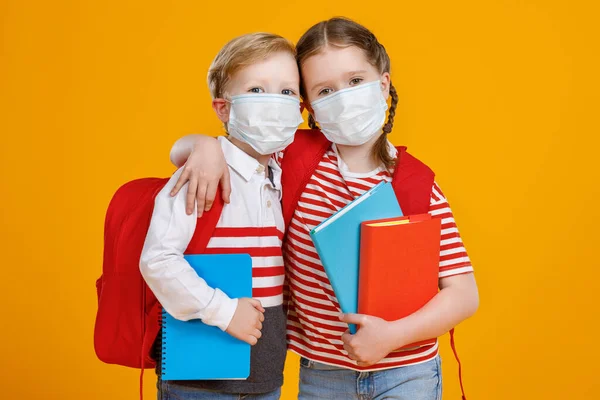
247 321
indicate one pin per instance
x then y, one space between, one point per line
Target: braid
387 128
311 122
380 149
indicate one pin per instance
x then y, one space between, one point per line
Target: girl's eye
256 90
355 81
288 92
325 92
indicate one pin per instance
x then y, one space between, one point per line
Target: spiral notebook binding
163 352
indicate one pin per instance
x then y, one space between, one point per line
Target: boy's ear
221 107
385 84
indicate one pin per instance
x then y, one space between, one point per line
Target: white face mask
351 116
267 122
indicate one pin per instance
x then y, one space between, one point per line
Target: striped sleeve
454 259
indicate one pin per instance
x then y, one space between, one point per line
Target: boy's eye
355 81
325 92
288 92
256 90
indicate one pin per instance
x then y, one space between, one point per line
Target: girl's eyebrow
316 85
360 71
348 74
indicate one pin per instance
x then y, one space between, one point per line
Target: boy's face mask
267 122
351 116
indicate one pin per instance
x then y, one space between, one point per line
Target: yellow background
501 98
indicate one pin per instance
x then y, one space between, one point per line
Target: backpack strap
460 379
299 163
412 182
205 227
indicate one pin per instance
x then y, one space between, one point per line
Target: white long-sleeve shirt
252 223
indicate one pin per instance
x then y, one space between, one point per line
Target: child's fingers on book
252 340
346 337
257 304
257 334
357 319
350 352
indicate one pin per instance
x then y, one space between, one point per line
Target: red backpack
128 317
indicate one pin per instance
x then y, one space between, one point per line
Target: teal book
192 350
337 240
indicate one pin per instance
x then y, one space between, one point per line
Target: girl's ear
385 84
221 107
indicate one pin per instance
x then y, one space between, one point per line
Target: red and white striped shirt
314 330
252 223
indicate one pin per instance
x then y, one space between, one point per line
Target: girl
345 87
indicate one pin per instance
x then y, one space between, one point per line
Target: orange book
399 267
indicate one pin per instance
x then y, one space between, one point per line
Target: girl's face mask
352 116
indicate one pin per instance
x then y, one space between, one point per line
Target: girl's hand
205 169
457 300
371 343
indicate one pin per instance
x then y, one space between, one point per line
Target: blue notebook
193 350
337 240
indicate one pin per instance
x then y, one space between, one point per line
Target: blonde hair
343 32
241 52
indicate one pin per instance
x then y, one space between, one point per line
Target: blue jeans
414 382
173 391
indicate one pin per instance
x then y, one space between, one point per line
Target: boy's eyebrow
256 82
290 83
360 71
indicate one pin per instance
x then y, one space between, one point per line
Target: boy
254 83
